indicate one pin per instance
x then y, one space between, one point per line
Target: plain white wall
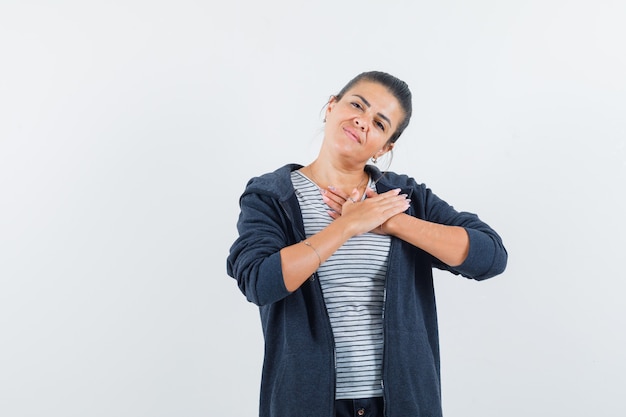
128 130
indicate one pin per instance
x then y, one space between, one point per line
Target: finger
337 192
354 196
396 205
391 206
332 190
333 204
391 193
370 193
385 195
335 195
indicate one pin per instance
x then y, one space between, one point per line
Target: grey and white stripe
353 284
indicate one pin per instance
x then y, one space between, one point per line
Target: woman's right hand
367 214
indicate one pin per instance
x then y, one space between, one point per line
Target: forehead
379 97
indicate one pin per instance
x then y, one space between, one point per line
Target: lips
351 133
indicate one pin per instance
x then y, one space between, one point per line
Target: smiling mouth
352 135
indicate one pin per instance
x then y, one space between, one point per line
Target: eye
356 105
380 125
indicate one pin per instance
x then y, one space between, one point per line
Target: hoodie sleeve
254 258
487 255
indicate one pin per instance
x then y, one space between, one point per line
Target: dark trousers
363 407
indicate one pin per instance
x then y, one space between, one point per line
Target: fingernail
330 187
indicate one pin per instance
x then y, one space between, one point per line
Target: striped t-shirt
353 284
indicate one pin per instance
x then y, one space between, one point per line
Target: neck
345 179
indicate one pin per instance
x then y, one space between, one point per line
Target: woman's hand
335 199
368 214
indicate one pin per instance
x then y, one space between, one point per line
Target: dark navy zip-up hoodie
298 376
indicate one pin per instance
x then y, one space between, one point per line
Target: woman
339 258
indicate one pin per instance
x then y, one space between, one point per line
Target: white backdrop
128 130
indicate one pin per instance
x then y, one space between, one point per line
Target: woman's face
361 123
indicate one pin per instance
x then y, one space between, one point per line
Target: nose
359 123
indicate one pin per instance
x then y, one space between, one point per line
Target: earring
374 159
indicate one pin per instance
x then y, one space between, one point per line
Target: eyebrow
367 103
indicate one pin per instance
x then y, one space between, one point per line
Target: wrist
390 226
344 227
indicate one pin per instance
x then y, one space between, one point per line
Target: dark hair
397 87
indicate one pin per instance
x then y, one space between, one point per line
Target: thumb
354 195
369 193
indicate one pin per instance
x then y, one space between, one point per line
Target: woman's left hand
335 199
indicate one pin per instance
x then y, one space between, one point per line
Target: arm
254 258
266 270
486 256
299 261
450 244
458 241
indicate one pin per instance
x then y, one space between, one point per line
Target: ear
331 103
388 146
